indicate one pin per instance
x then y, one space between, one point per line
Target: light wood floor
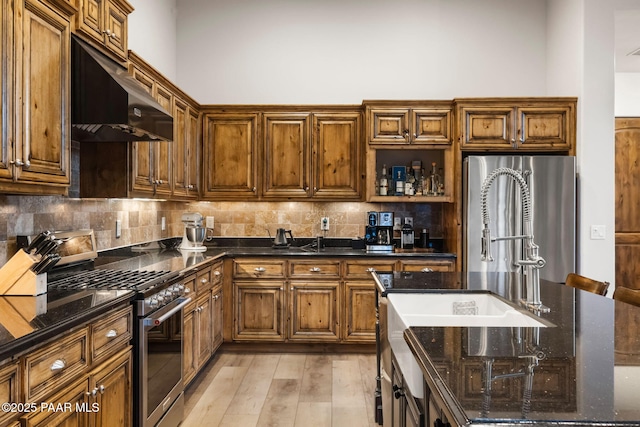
282 389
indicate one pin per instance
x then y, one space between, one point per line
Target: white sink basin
446 309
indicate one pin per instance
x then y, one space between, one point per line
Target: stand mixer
194 232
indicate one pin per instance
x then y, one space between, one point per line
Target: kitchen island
583 370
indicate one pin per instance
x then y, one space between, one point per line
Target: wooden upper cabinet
229 156
36 122
337 155
185 166
105 22
287 161
517 124
410 123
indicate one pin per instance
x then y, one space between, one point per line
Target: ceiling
627 40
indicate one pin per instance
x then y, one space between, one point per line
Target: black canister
423 242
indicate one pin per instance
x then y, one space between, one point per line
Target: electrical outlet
209 222
118 228
324 223
163 224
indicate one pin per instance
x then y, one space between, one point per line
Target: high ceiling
627 40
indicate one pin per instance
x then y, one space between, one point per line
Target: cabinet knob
427 270
93 392
315 269
101 389
112 333
58 365
217 273
254 189
260 269
306 189
203 281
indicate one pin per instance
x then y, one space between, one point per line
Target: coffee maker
194 232
379 232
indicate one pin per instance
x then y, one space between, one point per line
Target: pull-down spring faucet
532 262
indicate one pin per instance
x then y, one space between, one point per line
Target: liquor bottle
410 184
441 185
384 182
399 185
434 181
422 184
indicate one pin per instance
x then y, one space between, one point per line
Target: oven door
159 373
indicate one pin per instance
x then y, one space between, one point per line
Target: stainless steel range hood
108 105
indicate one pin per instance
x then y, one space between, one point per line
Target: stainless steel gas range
158 302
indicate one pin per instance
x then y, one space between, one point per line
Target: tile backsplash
142 219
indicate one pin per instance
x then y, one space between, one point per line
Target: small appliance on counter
379 232
194 232
281 241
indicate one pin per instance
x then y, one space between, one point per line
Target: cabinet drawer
53 365
426 266
9 388
318 268
258 269
360 269
203 281
111 333
216 274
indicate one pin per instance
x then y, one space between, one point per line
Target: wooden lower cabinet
197 335
258 310
360 311
100 399
189 347
9 388
426 266
217 316
314 310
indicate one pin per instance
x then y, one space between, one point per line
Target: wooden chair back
628 295
586 284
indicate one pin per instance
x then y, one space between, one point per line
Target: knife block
16 277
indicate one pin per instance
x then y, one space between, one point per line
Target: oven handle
155 321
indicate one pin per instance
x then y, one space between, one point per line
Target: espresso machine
379 232
194 232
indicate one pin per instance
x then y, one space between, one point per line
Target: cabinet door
205 319
287 155
74 396
360 322
6 104
180 153
217 324
115 30
490 127
431 126
389 126
544 128
112 380
142 167
258 310
43 96
230 163
193 154
9 388
162 150
189 343
90 18
314 311
337 154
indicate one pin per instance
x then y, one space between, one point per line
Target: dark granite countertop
56 311
585 370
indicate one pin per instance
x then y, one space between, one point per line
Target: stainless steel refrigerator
552 186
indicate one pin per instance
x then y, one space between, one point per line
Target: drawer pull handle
112 333
58 365
217 273
427 270
203 281
315 269
260 269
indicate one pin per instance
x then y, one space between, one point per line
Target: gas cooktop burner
110 279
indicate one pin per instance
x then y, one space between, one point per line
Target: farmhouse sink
463 309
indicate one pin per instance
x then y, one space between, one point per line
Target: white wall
344 51
627 95
152 34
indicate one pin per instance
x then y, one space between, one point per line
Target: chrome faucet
532 262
